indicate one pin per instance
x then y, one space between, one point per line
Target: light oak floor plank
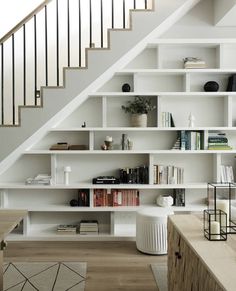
110 265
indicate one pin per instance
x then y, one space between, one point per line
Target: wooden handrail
24 20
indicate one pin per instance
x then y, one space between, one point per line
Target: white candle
67 170
224 206
215 230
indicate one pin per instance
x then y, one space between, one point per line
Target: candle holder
223 196
214 224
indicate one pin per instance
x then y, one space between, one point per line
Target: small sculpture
191 119
107 143
84 124
67 170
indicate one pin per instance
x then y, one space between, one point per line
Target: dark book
83 197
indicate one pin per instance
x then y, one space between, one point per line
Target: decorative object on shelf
73 202
231 83
164 200
214 227
222 196
130 144
177 144
211 86
126 87
139 108
124 142
84 124
108 142
179 197
67 170
194 63
191 120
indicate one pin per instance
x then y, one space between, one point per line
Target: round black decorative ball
73 202
211 86
126 87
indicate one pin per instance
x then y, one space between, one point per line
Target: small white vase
139 120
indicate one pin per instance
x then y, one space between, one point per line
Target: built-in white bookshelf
158 74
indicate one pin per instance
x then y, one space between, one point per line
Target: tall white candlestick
215 230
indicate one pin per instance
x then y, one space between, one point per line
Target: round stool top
156 211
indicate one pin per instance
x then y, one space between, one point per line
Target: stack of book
167 119
88 227
114 197
40 179
168 175
60 146
67 228
218 141
194 63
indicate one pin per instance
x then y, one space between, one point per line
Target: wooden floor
110 265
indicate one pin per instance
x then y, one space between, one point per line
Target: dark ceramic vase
211 86
126 87
73 203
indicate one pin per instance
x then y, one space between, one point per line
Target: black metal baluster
68 31
24 66
112 14
123 13
79 34
35 61
2 82
101 24
46 45
145 4
13 81
57 45
90 23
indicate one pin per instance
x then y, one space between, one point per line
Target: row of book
218 141
167 119
137 175
61 146
226 174
168 174
114 197
190 140
84 227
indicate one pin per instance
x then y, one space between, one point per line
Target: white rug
160 275
44 276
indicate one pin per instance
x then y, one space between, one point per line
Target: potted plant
139 109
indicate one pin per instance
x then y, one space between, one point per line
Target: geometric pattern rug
160 274
44 276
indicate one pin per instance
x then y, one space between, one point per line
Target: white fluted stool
151 230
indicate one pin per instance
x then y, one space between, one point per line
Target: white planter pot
139 120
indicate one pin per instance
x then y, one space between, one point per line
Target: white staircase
78 83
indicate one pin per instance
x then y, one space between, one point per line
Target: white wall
13 11
199 23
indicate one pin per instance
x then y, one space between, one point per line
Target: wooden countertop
218 256
8 220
